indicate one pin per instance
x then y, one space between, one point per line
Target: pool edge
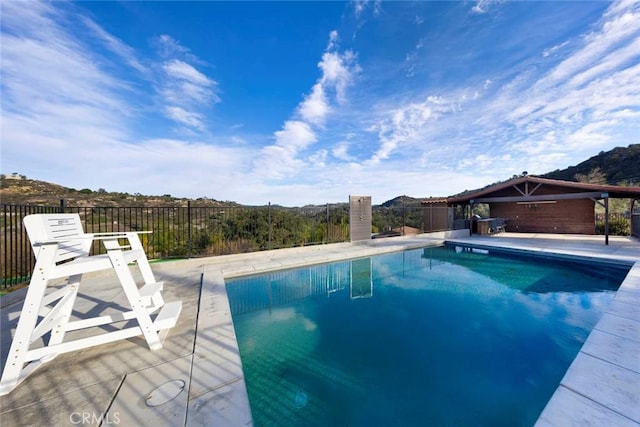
548 416
602 385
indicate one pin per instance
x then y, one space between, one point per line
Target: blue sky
307 102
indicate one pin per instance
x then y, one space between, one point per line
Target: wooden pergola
530 203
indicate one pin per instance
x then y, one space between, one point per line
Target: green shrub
617 227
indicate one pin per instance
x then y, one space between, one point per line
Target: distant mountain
401 201
620 165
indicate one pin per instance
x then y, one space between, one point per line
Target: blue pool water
431 337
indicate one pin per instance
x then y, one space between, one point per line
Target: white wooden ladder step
165 320
149 291
168 316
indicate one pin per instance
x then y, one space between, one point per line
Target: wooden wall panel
564 216
437 218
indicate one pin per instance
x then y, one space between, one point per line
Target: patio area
197 378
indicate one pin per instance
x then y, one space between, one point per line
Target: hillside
620 165
401 201
33 192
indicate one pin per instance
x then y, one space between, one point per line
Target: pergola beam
545 197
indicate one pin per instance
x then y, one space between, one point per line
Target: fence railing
182 232
196 231
404 220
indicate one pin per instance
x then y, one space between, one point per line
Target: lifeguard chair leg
136 301
14 370
64 309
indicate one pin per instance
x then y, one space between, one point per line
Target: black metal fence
182 232
405 220
196 231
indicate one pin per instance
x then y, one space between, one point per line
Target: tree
595 176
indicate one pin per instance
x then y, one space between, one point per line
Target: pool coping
574 400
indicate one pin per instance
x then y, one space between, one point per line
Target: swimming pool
436 336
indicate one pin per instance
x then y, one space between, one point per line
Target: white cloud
295 135
168 47
573 109
597 44
484 163
406 125
540 120
617 59
338 71
360 6
182 71
554 49
53 91
186 86
592 134
281 159
315 107
341 151
481 6
116 45
77 119
185 90
319 158
187 118
333 40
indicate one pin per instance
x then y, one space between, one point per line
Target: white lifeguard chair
61 248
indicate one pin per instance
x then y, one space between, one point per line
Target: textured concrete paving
197 378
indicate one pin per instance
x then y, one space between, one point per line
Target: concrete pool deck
114 384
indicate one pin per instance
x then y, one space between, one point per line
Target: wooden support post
606 220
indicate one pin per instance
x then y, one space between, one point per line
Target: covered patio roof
532 189
527 186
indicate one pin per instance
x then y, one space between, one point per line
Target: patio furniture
491 225
62 250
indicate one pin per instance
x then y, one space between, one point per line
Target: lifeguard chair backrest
42 228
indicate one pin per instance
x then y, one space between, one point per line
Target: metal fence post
188 228
404 219
269 215
327 223
430 218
